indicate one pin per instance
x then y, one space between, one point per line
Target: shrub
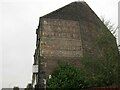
67 76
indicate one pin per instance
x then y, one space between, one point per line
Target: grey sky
19 21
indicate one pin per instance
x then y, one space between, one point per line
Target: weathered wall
61 38
60 41
89 33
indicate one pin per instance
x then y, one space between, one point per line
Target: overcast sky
19 21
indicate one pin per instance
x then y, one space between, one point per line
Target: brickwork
61 38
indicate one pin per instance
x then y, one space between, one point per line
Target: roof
74 11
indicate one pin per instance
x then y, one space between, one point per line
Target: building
66 35
119 25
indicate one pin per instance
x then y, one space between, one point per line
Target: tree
29 87
16 88
110 26
65 77
113 30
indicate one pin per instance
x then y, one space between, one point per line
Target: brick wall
60 41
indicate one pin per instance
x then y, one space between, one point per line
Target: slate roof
74 11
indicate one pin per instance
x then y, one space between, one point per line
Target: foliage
16 88
29 87
66 77
108 46
95 71
110 26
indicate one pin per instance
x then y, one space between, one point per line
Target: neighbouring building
119 25
66 35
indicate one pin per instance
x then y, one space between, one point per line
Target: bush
16 88
95 71
65 77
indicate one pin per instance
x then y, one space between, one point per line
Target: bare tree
110 26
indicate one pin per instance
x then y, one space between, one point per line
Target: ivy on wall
107 44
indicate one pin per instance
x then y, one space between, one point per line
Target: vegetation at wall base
94 73
102 70
66 77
